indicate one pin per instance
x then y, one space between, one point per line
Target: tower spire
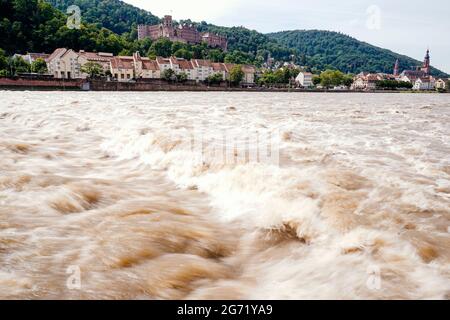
427 63
397 68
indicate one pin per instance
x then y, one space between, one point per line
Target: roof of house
186 65
35 56
161 60
94 56
425 79
373 77
218 66
122 62
229 66
202 63
148 64
56 54
413 73
248 69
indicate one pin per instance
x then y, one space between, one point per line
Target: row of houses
368 81
66 63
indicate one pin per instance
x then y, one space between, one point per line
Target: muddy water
101 188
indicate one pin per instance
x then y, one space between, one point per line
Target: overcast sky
404 26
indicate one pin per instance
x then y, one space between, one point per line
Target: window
122 76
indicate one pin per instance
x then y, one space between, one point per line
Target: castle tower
168 22
397 68
426 63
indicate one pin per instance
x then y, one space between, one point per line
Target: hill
326 49
114 15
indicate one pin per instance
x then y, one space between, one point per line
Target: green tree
330 78
393 85
168 74
181 77
216 55
92 69
3 61
268 78
238 57
17 65
183 53
162 47
236 75
39 66
347 80
215 78
316 80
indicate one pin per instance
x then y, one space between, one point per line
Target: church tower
397 68
426 63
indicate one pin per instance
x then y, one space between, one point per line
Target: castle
184 33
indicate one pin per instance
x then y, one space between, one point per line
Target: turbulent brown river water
101 197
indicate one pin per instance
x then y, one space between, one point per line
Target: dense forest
332 50
114 15
110 26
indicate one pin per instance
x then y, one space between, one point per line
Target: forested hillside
325 49
114 15
35 26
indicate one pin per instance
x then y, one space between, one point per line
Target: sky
405 26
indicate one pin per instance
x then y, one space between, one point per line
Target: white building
180 65
66 63
366 81
441 83
304 79
424 83
145 68
163 64
203 69
249 74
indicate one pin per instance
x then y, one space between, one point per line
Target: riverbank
53 84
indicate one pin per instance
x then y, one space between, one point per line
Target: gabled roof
122 62
229 66
198 63
186 65
248 69
56 54
161 60
94 56
373 77
35 56
148 64
218 67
